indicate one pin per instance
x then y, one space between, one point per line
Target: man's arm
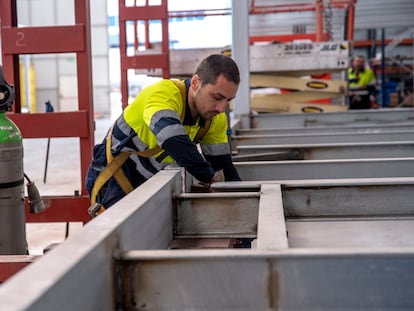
186 154
225 163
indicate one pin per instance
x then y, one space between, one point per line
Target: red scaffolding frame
161 60
54 39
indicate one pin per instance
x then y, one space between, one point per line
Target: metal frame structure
54 39
126 261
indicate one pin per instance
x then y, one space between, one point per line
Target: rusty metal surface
312 279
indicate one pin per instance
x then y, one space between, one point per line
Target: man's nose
221 106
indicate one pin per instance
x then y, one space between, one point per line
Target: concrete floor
62 178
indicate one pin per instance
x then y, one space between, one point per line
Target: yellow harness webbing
113 168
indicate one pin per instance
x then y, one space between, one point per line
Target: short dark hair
215 65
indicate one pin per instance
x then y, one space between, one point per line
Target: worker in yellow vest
164 124
362 84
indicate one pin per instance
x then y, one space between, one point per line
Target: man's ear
195 81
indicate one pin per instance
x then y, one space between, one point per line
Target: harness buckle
95 209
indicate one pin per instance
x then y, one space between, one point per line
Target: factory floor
59 174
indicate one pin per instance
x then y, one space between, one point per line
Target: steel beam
271 227
142 220
293 279
349 118
228 212
318 138
391 199
216 215
121 257
357 128
368 232
336 197
333 151
326 169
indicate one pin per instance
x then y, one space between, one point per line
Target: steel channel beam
293 279
349 118
243 214
216 215
233 215
368 128
368 232
337 197
325 169
333 151
393 199
234 186
79 274
315 138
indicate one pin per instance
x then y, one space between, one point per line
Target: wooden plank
299 84
288 103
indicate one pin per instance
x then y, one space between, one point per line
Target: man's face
358 63
212 99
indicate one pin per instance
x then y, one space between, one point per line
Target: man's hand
218 176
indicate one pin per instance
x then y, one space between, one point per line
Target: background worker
160 126
362 84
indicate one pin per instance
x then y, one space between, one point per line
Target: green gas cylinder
12 210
